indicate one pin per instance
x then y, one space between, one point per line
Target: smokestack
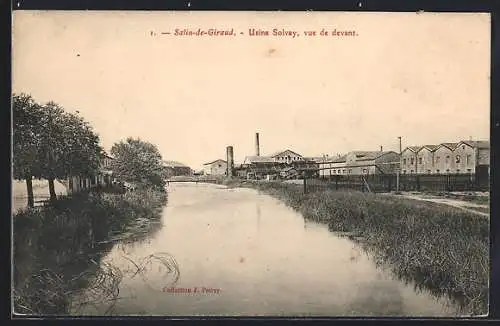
381 149
230 161
257 145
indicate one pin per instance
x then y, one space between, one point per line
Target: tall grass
57 248
442 249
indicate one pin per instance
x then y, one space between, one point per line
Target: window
457 159
467 159
404 161
365 171
458 170
437 171
343 171
419 160
404 171
437 160
469 170
428 171
411 171
220 165
447 159
447 170
463 146
350 170
411 161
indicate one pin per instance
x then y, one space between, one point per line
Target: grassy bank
443 249
57 248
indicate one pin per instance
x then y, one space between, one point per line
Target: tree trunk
52 190
29 188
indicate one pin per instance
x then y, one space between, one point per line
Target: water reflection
259 258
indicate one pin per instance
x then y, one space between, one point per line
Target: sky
424 77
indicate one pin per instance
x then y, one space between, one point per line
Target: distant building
464 157
217 167
287 156
174 168
424 161
258 167
470 155
361 163
331 165
443 162
408 159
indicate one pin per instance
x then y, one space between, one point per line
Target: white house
217 167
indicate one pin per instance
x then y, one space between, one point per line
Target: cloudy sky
424 77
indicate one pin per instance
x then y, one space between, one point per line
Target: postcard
298 164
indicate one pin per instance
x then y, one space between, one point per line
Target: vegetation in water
58 248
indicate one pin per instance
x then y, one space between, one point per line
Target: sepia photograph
291 164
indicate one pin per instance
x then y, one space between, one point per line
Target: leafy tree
26 115
68 146
138 162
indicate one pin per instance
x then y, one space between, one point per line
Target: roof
340 159
371 155
281 152
476 143
429 147
413 148
448 145
258 159
174 164
219 160
317 159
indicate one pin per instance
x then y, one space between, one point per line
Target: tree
50 143
139 162
26 115
68 146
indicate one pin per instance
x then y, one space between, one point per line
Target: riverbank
440 248
57 248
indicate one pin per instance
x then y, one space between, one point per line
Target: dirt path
464 205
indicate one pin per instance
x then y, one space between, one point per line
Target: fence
389 182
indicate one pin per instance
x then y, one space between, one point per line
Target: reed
58 247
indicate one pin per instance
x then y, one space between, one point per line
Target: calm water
257 257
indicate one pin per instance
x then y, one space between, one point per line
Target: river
246 253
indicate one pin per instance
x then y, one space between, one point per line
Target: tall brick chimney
230 161
257 145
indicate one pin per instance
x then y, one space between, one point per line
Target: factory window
437 171
343 171
458 170
447 159
457 159
411 172
467 159
469 170
411 161
350 170
404 161
419 160
404 171
437 159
